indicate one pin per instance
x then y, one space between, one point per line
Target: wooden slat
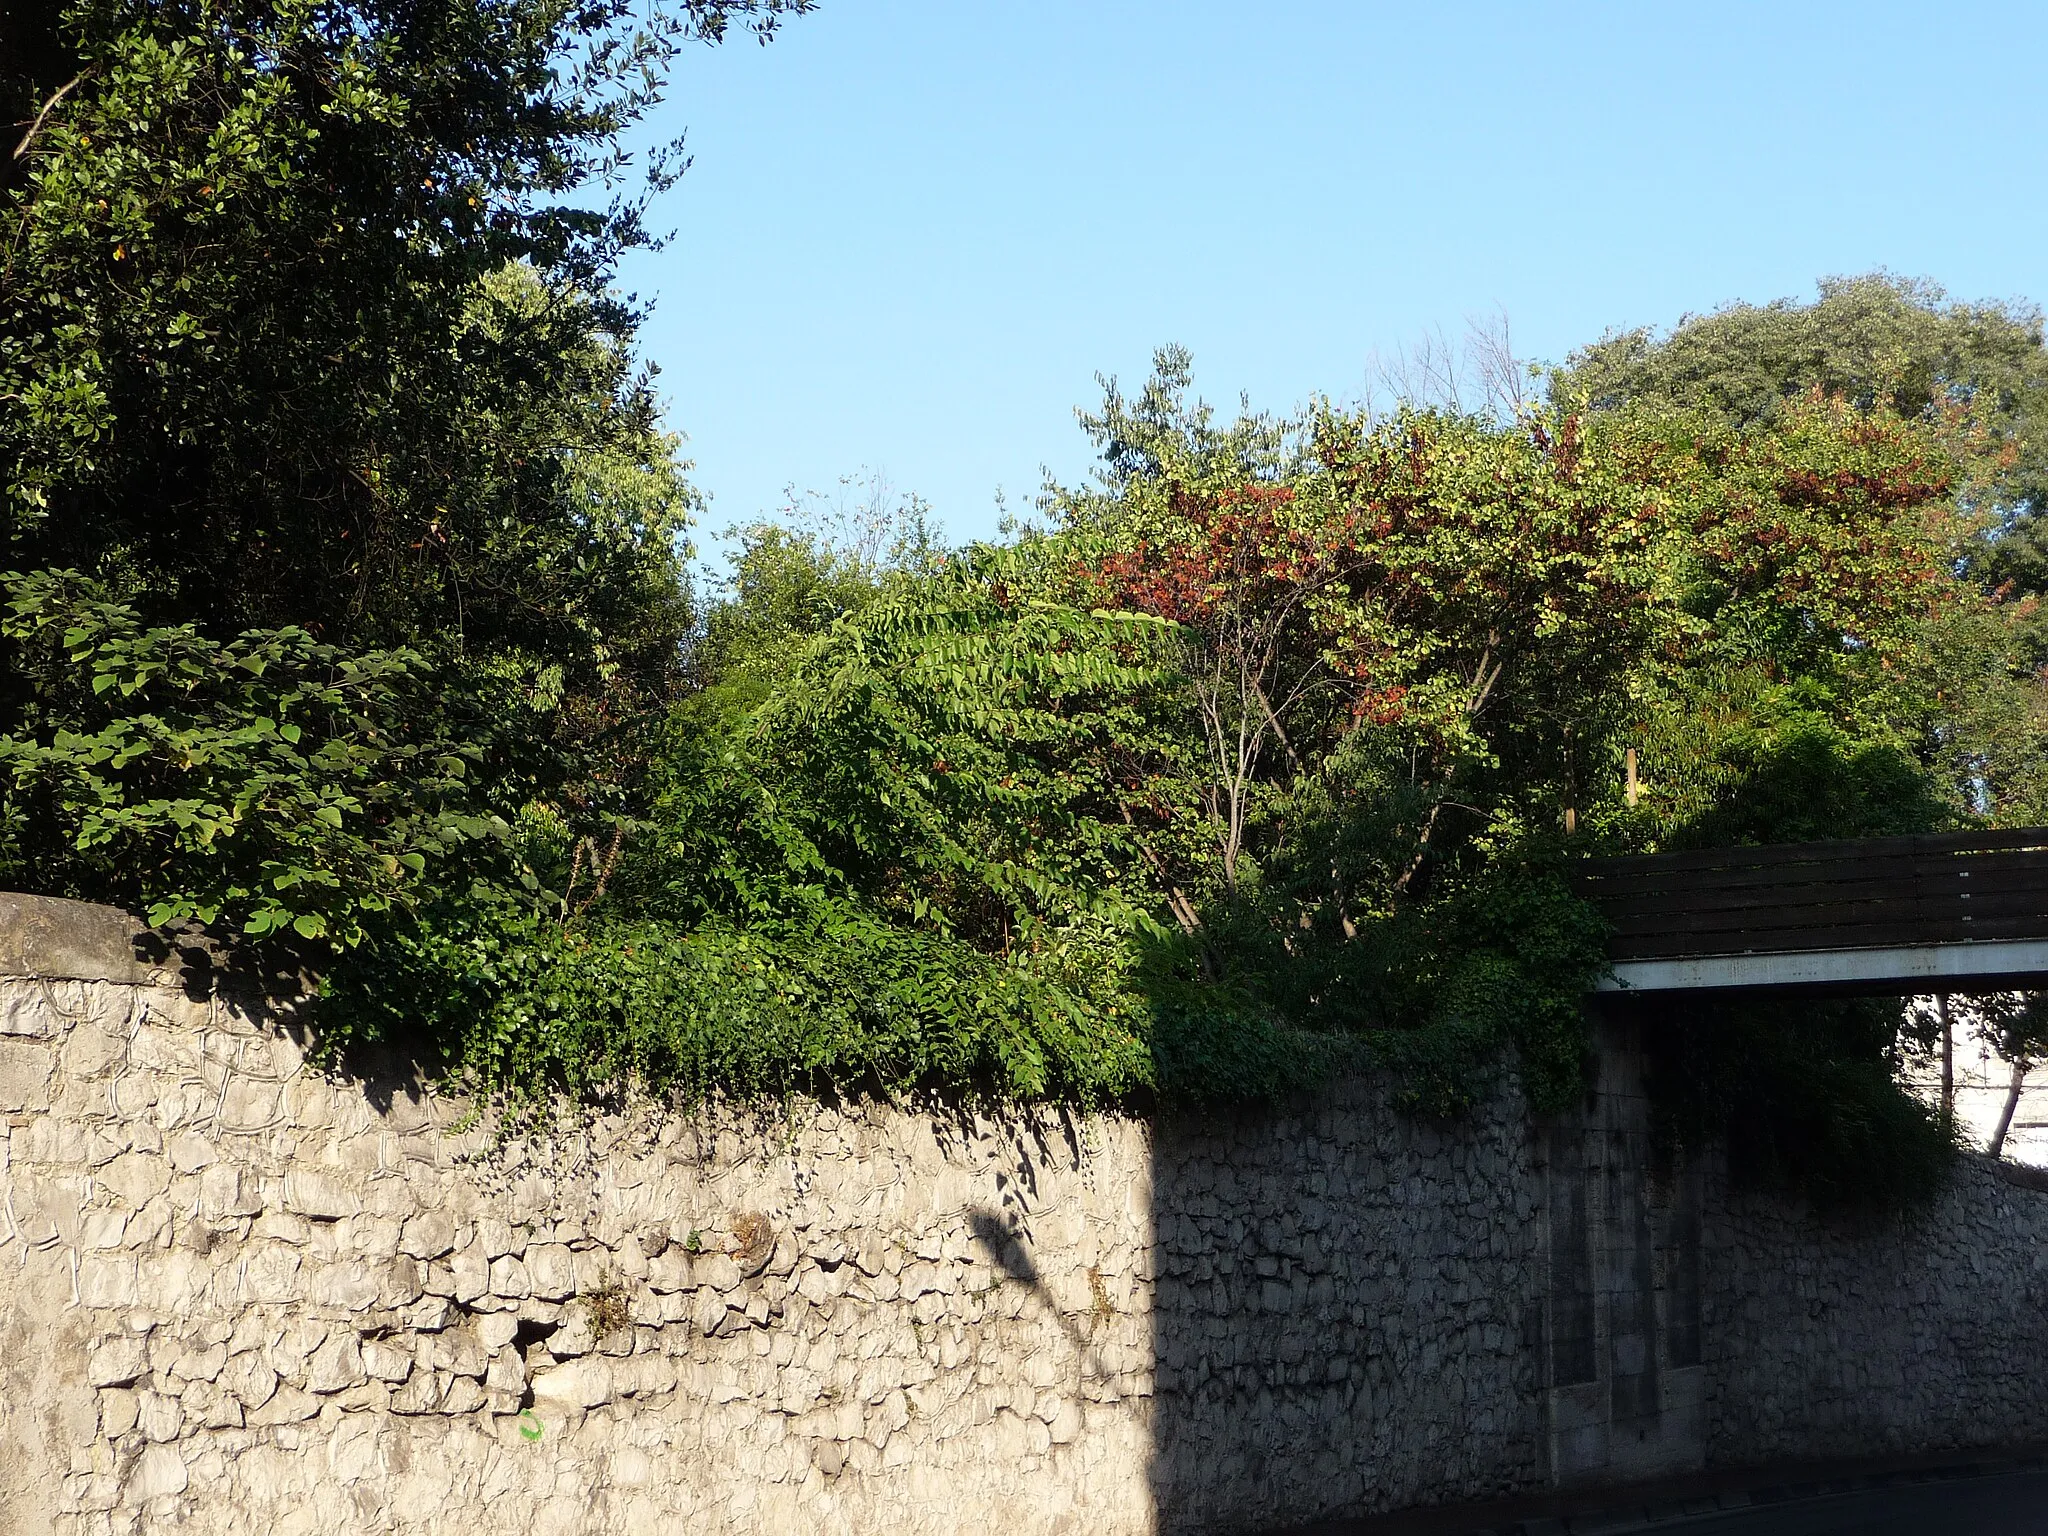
1999 864
1637 916
1721 898
1854 893
1857 848
1807 941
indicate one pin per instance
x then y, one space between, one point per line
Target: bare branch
29 138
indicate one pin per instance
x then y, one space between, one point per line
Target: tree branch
36 127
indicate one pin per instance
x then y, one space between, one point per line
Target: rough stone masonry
237 1294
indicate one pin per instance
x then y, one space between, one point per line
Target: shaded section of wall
1631 1227
1827 1338
1342 1313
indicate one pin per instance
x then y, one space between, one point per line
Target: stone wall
1842 1341
1344 1312
237 1294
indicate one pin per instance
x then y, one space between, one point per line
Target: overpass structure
1944 912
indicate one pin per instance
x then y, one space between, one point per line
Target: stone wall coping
51 939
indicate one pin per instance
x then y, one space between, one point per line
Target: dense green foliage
1804 1094
1975 373
1874 341
348 606
305 342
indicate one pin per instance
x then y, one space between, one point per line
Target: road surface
2012 1504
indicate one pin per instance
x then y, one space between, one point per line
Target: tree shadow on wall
274 990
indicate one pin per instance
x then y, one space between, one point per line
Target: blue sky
915 230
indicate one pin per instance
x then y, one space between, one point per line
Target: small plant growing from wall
607 1307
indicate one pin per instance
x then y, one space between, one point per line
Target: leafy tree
306 339
1874 340
2017 1023
1976 372
269 775
903 848
1417 648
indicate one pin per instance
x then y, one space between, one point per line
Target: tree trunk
2012 1102
1948 1061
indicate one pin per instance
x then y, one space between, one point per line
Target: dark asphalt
2013 1505
1954 1493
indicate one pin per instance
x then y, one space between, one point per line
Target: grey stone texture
237 1294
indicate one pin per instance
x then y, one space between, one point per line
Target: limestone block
335 1365
249 1104
509 1278
227 1192
250 1378
188 1152
709 1316
551 1270
386 1362
464 1395
593 1270
319 1194
430 1315
507 1374
201 1364
584 1383
670 1271
630 1258
174 1282
117 1361
159 1416
281 1226
25 1071
287 1405
159 1472
429 1235
400 1282
92 1050
471 1273
577 1336
716 1271
422 1393
107 1280
347 1285
26 1012
118 1411
496 1331
374 1239
644 1375
456 1352
270 1273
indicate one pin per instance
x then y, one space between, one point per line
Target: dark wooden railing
1861 893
